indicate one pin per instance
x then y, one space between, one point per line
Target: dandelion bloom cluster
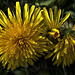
53 21
20 40
64 52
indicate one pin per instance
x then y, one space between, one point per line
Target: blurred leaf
40 0
22 71
60 2
17 72
72 13
3 72
71 25
67 25
43 72
74 5
44 3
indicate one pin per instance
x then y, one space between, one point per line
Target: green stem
64 69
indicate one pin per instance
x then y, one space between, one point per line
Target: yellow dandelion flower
53 21
20 40
55 33
64 52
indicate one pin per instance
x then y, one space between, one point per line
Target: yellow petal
26 12
52 33
64 19
46 19
58 18
9 14
32 10
18 12
55 12
49 55
39 17
65 50
66 41
73 28
72 40
2 23
4 17
55 30
51 14
37 10
56 50
0 28
9 66
13 15
46 13
58 55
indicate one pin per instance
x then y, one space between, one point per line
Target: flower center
21 41
56 34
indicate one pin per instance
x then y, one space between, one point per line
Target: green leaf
72 13
44 3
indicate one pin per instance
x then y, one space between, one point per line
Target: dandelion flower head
53 21
20 40
64 52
